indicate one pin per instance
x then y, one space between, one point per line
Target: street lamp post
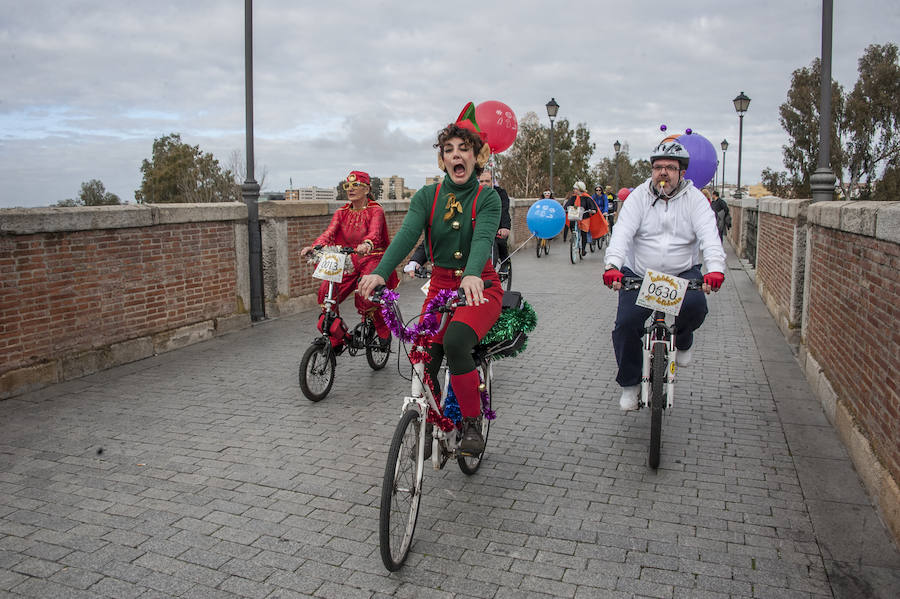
250 188
552 109
741 104
724 145
617 146
822 181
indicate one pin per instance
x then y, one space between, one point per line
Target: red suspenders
431 218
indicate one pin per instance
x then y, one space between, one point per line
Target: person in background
723 214
360 223
589 221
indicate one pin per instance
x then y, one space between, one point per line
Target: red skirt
482 317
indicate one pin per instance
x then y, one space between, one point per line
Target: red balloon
498 121
623 193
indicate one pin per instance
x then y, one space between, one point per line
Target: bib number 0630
660 291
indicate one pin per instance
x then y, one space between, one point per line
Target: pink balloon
623 193
498 121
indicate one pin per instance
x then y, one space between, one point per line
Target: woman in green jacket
459 218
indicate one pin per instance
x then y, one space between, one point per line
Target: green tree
377 184
181 173
871 119
341 192
525 168
631 174
93 193
865 144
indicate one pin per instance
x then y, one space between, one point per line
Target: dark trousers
631 318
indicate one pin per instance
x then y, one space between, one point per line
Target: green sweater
455 243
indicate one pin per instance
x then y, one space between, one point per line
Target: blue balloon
702 167
546 218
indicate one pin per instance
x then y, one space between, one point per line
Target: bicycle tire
546 247
375 356
316 372
470 464
538 247
574 251
401 492
508 280
593 245
659 364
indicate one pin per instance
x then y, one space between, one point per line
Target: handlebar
455 302
344 249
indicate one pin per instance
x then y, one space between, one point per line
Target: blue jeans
631 318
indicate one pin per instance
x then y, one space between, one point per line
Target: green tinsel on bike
509 324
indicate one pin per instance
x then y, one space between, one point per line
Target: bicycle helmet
672 150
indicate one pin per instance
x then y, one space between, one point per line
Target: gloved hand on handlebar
713 279
611 276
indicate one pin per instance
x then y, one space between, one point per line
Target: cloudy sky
88 85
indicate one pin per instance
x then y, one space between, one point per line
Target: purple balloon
702 167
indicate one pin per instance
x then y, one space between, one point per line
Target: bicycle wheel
659 363
317 371
508 279
470 464
401 491
375 355
593 245
538 247
546 246
574 251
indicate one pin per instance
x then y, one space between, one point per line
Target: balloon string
521 245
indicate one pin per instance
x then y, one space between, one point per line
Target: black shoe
472 442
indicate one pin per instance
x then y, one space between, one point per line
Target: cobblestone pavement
205 473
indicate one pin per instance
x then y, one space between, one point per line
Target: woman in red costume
359 224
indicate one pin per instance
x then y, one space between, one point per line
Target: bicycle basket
574 212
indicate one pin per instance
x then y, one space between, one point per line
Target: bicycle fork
650 340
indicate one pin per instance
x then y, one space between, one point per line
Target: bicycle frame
659 332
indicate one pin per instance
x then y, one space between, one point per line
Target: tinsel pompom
511 322
445 424
489 414
451 406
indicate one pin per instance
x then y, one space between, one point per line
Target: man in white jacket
665 225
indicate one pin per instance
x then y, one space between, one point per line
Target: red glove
612 275
714 280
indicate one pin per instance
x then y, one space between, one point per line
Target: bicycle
401 489
503 267
318 364
543 245
575 214
658 370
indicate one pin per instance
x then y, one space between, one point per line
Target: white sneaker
629 399
683 357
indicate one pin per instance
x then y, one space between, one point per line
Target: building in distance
311 194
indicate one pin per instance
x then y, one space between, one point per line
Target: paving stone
220 479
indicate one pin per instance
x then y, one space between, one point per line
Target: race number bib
330 267
660 291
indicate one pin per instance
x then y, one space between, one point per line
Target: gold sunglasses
347 185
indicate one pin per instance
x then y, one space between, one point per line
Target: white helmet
672 150
580 186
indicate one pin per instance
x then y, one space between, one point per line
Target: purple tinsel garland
427 326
